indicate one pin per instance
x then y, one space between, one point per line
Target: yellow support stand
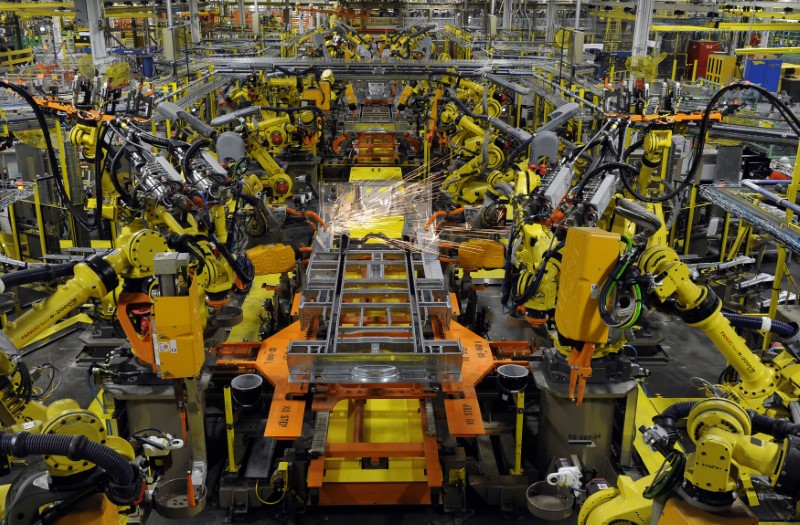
780 268
687 240
517 470
232 466
723 242
37 203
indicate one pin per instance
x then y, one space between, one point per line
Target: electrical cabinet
766 72
720 68
699 51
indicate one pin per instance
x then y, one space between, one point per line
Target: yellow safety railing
16 57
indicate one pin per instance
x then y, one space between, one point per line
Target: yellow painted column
37 205
232 466
780 268
517 470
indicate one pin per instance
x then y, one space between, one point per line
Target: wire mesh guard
13 191
378 306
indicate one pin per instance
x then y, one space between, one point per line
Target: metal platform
385 69
734 200
379 303
13 191
193 92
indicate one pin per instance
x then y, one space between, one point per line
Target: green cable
665 479
628 241
637 290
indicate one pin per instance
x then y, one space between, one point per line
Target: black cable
605 290
630 149
124 484
577 191
510 158
193 149
114 175
238 198
668 475
629 186
534 285
79 216
99 168
37 274
787 114
506 287
151 139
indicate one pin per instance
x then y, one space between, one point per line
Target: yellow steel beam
630 17
728 26
38 12
763 14
759 26
129 12
766 50
14 6
613 15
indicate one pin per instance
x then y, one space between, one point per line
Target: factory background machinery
435 262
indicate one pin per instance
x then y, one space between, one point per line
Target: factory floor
687 353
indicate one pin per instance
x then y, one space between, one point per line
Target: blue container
147 66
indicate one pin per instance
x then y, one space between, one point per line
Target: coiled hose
37 274
668 419
779 328
775 427
124 485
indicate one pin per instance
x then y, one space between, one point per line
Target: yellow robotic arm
731 445
94 278
700 307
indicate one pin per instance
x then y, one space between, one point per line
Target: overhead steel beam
728 26
385 70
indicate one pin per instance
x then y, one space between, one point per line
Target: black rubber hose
531 290
592 144
295 109
292 73
633 191
775 427
149 138
668 419
99 169
510 158
778 328
114 172
124 485
464 109
630 149
238 266
786 113
153 140
190 153
37 274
